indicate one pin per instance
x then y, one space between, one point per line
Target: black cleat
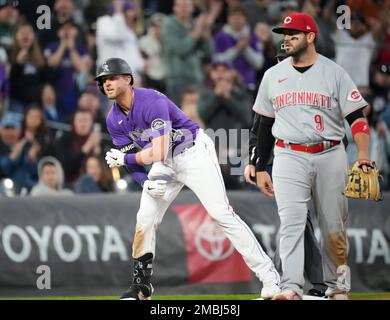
316 293
138 292
141 287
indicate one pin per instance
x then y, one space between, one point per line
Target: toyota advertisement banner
81 245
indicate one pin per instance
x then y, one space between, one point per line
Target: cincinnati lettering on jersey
312 99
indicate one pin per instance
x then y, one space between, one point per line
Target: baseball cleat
269 290
336 294
138 292
316 293
287 295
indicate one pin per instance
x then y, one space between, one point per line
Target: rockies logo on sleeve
158 124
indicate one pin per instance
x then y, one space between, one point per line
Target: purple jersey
151 115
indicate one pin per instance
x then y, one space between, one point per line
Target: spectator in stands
187 44
263 33
28 69
222 18
9 135
163 6
214 10
9 17
226 106
355 50
324 19
49 103
257 11
151 48
4 87
384 39
90 39
137 22
97 177
73 147
381 105
20 156
238 45
90 101
51 179
371 9
115 37
72 64
63 11
380 88
34 128
189 105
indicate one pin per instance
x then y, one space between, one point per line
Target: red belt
312 148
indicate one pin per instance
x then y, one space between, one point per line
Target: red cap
297 21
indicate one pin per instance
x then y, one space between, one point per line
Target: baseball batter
303 101
148 128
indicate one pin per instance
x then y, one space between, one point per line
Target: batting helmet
112 66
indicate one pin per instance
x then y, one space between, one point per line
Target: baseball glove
362 185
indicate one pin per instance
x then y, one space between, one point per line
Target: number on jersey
319 123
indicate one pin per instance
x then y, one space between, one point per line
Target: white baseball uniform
192 164
309 109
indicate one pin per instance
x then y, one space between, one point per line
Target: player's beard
299 50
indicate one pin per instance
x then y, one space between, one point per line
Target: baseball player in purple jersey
148 128
303 102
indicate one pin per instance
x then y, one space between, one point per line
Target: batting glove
156 188
115 158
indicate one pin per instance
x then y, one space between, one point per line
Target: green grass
352 296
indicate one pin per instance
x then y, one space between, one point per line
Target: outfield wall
79 245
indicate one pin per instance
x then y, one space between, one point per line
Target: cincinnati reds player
312 253
303 101
147 128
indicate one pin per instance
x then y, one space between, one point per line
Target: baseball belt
309 148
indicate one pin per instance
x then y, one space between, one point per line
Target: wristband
360 127
131 158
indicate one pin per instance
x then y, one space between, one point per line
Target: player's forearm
362 141
361 135
157 152
149 156
253 155
145 157
265 143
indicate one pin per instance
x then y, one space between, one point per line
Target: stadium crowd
208 56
